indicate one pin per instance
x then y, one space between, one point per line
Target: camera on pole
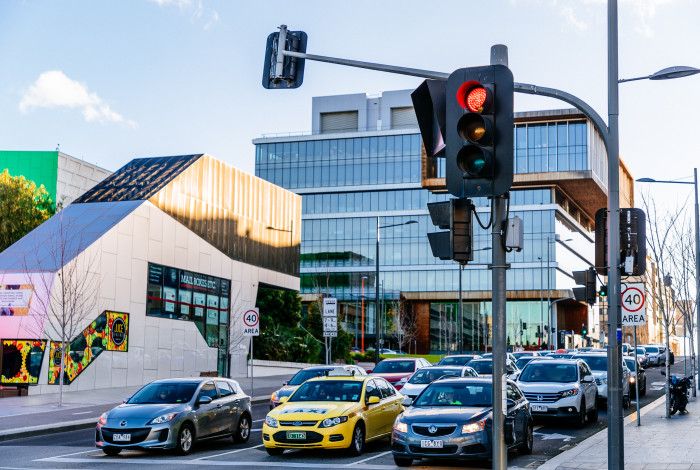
454 243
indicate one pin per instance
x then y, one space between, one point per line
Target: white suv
598 362
560 388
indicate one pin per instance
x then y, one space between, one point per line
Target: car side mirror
373 400
588 379
283 400
204 400
407 401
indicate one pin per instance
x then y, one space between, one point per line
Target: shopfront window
185 295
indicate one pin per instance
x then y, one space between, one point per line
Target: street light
697 240
678 71
376 286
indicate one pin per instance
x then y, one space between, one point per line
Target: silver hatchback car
174 413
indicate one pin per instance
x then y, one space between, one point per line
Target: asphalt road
75 449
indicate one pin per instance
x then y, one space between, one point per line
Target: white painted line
368 459
222 463
227 453
259 420
83 412
65 455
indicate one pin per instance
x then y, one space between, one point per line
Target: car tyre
403 461
273 451
626 402
528 441
242 433
357 441
582 415
643 391
185 439
593 416
111 451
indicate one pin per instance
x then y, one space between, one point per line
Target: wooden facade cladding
246 217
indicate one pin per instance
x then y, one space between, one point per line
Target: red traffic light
474 97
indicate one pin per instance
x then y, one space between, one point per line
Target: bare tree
660 242
66 284
407 326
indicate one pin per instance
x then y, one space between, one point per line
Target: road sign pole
636 378
252 370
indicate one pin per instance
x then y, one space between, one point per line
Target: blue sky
112 80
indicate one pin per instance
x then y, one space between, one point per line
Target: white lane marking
221 463
83 413
259 420
226 453
352 464
554 435
66 455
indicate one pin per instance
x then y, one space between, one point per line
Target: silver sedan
174 413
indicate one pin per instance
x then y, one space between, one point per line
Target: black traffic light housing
293 67
633 241
429 105
479 131
584 330
455 243
587 279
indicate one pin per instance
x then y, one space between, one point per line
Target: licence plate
296 435
121 437
540 408
432 444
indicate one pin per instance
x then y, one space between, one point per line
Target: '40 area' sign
633 305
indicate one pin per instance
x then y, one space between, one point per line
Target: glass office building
354 176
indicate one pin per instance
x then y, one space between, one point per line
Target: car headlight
474 427
270 421
163 418
273 397
400 426
632 379
103 419
329 422
569 393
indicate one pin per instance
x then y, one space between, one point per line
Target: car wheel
111 451
582 414
626 402
273 451
403 461
185 439
528 440
357 442
643 391
242 433
593 416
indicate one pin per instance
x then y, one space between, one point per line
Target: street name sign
634 305
251 322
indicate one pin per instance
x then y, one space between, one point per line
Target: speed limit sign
251 322
633 305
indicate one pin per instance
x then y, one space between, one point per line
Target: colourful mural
20 361
109 332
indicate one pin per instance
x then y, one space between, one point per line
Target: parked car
525 360
457 359
656 358
309 373
174 413
484 366
598 362
333 413
395 369
420 379
509 355
560 388
519 354
637 374
642 357
452 418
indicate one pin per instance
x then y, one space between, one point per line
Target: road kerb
53 428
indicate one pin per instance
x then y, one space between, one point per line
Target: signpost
251 327
330 324
633 314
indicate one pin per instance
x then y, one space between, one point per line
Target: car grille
542 397
451 449
137 435
298 423
444 430
311 438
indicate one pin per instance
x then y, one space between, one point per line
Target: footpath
40 414
659 443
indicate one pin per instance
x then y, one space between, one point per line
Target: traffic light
584 330
279 70
455 242
633 241
429 105
587 279
603 292
479 131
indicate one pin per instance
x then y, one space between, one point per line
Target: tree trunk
61 371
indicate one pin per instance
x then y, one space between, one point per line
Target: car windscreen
523 361
304 375
652 349
596 362
394 367
631 365
455 360
455 394
482 367
164 393
641 351
426 376
548 372
328 390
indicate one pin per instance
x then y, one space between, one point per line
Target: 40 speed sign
633 305
251 322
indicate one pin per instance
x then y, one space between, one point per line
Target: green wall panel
38 166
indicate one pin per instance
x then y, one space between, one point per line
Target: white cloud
53 89
195 8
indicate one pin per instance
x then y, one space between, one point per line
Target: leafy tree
278 307
23 206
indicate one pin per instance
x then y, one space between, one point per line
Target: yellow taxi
336 412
